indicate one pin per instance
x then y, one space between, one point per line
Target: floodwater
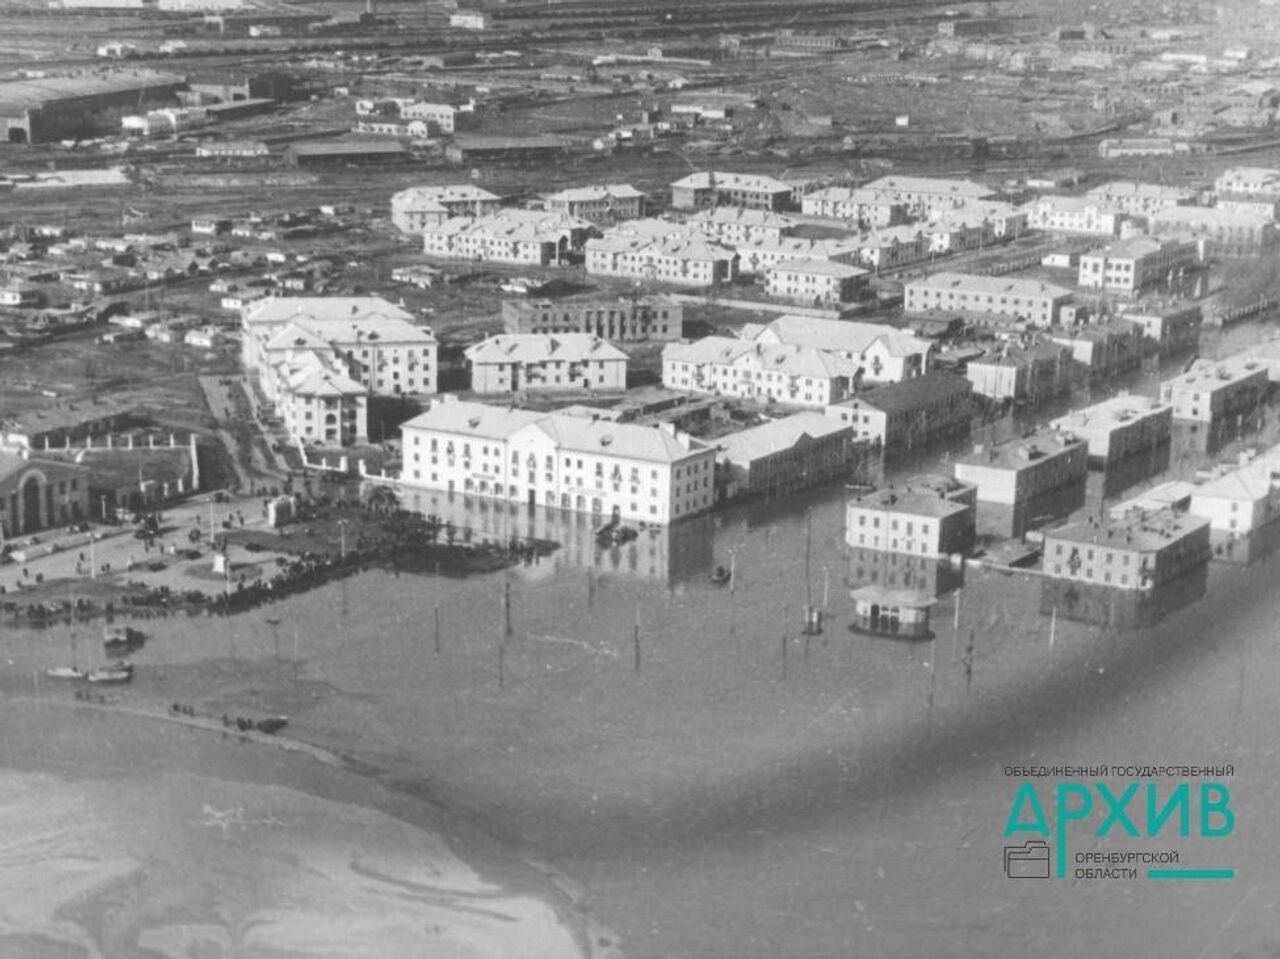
716 784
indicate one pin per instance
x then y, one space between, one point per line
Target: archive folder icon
1028 861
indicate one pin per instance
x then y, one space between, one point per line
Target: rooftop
345 147
914 392
33 93
1111 413
751 182
818 268
913 502
989 285
757 442
538 348
1016 454
842 336
1141 532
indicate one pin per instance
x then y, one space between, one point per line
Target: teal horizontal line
1191 873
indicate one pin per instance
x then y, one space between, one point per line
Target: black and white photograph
600 479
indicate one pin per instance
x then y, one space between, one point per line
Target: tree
382 499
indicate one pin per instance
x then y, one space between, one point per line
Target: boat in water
721 575
66 672
112 673
122 638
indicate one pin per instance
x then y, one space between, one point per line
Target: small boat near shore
122 639
112 673
66 672
721 575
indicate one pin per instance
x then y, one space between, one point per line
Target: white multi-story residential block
1137 262
880 354
1024 482
771 373
418 207
526 237
804 449
1229 232
1030 300
1215 389
440 117
1239 501
636 473
864 208
620 320
1249 181
1139 199
927 197
1120 427
1074 215
716 188
365 339
545 361
1137 552
922 522
616 201
681 261
908 415
815 282
761 255
733 225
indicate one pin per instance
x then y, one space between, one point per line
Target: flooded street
716 783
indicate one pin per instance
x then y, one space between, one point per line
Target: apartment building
370 341
512 362
679 261
994 298
866 209
1248 181
1139 199
623 320
636 473
419 207
794 452
1171 326
733 225
525 237
770 373
927 197
1120 427
1213 390
1229 232
921 522
1101 350
1026 481
615 201
716 188
903 416
1139 551
1135 263
1078 216
882 354
1240 501
815 282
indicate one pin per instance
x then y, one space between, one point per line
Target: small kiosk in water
881 611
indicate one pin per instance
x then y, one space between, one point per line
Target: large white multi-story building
526 237
881 354
927 197
546 361
1136 552
319 358
681 261
815 282
1239 501
1073 214
418 207
1134 263
1230 232
637 473
922 522
1030 300
1249 181
1140 199
615 201
865 208
733 225
772 373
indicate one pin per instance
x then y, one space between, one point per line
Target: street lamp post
342 538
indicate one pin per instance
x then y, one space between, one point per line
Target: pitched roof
845 336
650 443
540 347
776 436
473 419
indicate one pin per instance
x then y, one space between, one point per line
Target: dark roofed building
903 416
337 152
36 494
477 149
54 108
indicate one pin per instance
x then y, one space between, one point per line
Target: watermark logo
1083 808
1028 861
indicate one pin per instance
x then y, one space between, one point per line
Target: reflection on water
1249 548
666 555
1118 608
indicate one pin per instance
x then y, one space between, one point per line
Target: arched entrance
31 504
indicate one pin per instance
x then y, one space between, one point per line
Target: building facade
797 451
920 522
419 207
903 416
1136 263
994 297
512 362
621 320
636 473
1120 427
1139 551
